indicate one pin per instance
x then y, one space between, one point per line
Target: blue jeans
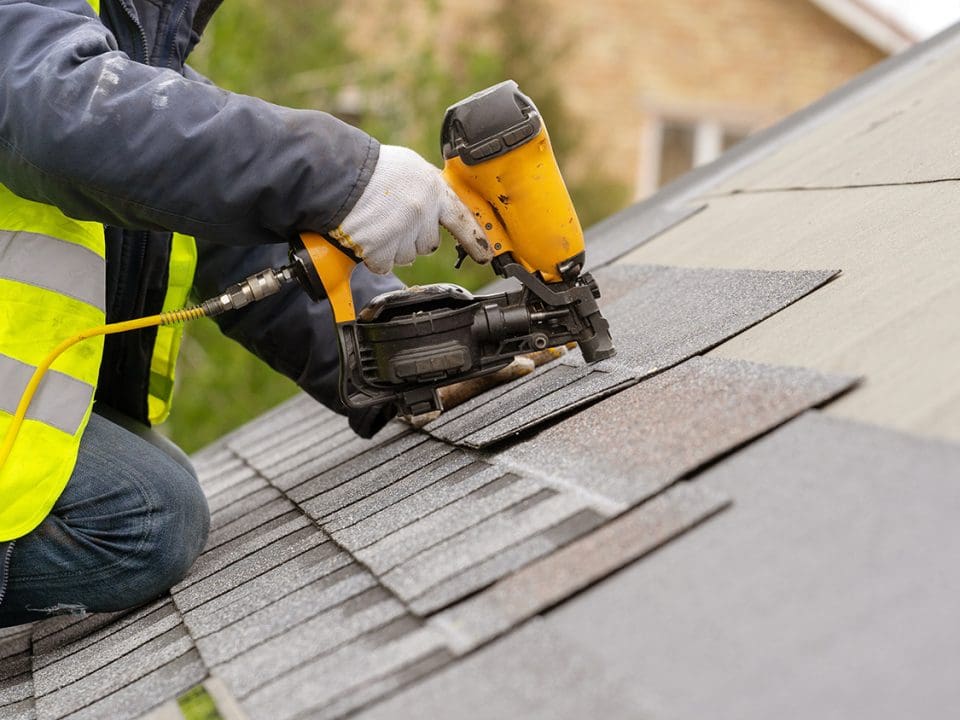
128 526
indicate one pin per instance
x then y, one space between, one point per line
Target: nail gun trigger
461 256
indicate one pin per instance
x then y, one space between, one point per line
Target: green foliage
293 52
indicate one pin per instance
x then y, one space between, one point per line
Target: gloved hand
398 215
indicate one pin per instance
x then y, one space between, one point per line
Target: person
114 155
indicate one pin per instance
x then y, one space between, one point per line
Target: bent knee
177 528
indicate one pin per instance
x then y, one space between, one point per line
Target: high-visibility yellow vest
52 286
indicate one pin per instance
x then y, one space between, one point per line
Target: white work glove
399 213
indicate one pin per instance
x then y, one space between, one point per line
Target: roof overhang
869 23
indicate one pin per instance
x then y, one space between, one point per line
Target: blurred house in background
656 87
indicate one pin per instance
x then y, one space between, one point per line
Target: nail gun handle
324 269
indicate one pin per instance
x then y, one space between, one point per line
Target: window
671 147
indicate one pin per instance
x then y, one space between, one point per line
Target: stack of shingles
369 563
340 569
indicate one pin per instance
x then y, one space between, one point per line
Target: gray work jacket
102 118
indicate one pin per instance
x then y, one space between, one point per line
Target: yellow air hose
167 318
256 287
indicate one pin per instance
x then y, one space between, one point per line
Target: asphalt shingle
827 590
411 508
672 423
99 675
222 639
532 674
335 682
659 316
551 579
16 674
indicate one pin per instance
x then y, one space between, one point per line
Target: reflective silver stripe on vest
46 262
61 401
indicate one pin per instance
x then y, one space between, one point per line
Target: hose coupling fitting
256 287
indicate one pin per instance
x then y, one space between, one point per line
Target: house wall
627 63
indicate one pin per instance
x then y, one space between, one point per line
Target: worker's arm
102 137
289 331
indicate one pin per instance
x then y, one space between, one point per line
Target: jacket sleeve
85 128
289 331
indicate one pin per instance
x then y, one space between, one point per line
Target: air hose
256 287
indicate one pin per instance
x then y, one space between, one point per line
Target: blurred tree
294 52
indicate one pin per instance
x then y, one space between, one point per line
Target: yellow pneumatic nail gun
405 344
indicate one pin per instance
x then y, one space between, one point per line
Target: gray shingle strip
108 629
414 507
291 611
14 640
583 562
827 590
143 695
376 688
275 422
293 442
512 558
351 458
667 315
672 423
349 491
251 483
320 635
674 313
105 679
480 542
503 400
531 673
329 678
234 572
215 483
67 666
210 459
225 531
226 474
256 540
206 609
23 710
242 506
16 680
52 635
488 500
403 487
592 385
279 599
368 461
288 458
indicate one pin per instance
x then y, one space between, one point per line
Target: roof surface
749 512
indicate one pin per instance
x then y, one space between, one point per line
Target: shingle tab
659 316
322 634
672 423
491 498
412 508
67 664
479 543
100 673
826 590
331 679
135 699
532 674
16 674
349 492
341 581
226 571
551 579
